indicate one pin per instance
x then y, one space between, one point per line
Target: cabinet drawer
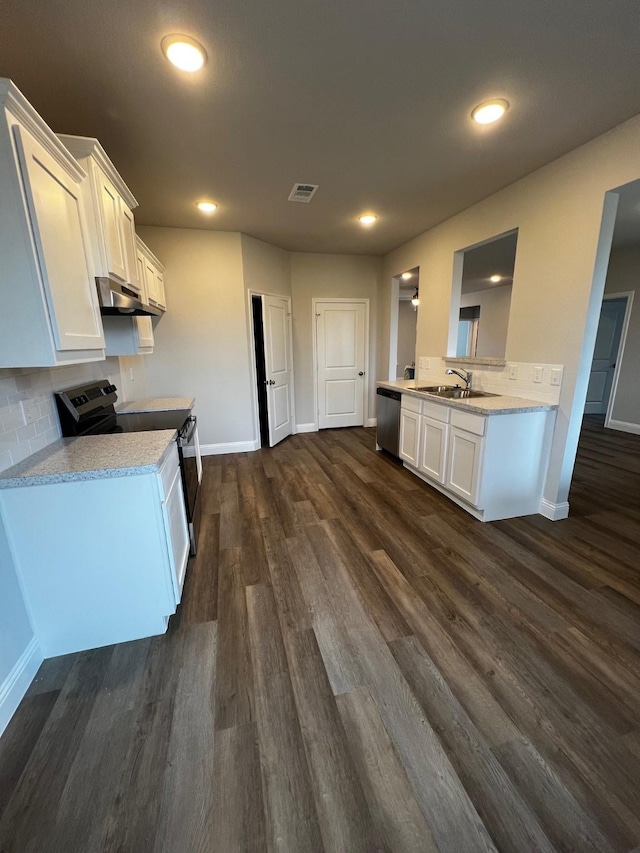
170 467
436 411
412 404
468 422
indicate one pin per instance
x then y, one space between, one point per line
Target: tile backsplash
539 381
28 417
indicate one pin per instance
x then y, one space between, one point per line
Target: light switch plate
513 371
537 374
556 376
423 362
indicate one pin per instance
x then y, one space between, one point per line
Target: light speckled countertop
497 405
156 404
91 457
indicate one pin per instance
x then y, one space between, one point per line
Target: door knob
361 373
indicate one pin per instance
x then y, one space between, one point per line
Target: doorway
606 354
273 373
408 302
341 347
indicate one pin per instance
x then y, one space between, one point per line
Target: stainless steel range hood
116 299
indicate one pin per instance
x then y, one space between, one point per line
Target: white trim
628 295
319 300
17 682
229 447
394 311
623 426
306 428
371 422
555 512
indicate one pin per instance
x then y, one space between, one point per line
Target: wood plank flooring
357 665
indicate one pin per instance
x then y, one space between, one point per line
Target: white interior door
341 358
605 355
277 357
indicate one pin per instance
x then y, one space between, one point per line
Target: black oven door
189 451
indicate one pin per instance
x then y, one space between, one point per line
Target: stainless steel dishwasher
388 415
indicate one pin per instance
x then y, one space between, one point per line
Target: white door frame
252 363
628 295
315 301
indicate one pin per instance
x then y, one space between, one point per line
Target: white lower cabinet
433 448
492 465
409 440
463 468
106 560
175 518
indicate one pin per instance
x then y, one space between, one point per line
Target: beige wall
494 305
406 335
623 275
319 276
265 268
201 344
561 259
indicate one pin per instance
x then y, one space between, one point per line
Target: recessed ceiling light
495 278
490 111
207 206
367 219
184 52
406 275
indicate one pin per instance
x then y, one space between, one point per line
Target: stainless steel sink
449 392
463 394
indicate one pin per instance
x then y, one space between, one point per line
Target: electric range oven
89 409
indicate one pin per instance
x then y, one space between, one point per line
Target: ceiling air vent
303 192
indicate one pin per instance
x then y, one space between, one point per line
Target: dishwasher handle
387 392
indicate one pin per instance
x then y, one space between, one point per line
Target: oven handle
186 432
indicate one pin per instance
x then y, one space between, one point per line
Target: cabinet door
160 289
433 448
464 464
140 266
64 254
177 531
150 280
113 231
129 241
409 433
145 331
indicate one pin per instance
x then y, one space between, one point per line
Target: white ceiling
370 99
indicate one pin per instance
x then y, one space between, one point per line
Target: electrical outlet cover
537 374
513 371
556 376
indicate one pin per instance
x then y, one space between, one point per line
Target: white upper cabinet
153 274
50 313
109 205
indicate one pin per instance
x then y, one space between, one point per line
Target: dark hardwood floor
357 665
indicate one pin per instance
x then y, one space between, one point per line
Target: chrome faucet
466 375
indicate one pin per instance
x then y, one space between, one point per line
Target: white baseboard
371 422
16 683
623 426
555 512
229 447
306 428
